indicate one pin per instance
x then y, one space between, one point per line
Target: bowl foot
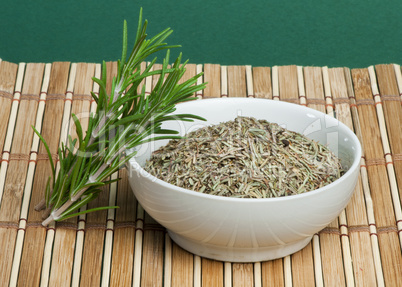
237 254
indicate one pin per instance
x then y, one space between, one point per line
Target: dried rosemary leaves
245 158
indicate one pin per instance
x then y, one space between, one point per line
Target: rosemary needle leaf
166 132
49 154
47 192
85 211
102 86
124 52
160 138
78 129
111 181
95 97
91 185
130 119
182 117
80 203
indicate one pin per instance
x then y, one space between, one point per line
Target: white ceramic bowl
248 230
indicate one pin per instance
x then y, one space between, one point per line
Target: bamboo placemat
126 247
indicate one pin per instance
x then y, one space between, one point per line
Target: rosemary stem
78 195
93 177
46 213
109 134
99 126
91 140
48 220
102 123
41 205
56 213
117 89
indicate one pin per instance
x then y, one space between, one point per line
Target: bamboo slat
304 259
314 88
314 93
397 159
9 132
262 82
301 262
300 84
211 270
287 268
257 274
242 274
108 246
153 250
124 234
79 242
95 228
358 229
122 260
236 86
183 268
288 84
330 236
96 223
341 104
153 234
29 178
22 142
200 80
197 271
62 259
197 258
387 152
391 103
262 85
8 74
224 81
249 82
365 185
271 271
35 234
21 146
377 178
50 234
126 247
342 107
191 71
138 244
398 74
212 76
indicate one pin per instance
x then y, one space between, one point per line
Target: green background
332 33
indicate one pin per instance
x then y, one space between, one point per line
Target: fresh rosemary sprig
125 118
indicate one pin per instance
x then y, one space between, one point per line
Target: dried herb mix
245 158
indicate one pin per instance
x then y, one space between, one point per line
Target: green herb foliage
125 118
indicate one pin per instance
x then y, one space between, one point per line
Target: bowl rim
133 164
